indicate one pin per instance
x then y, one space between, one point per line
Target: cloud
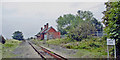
29 17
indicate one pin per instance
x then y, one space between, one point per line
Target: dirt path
25 51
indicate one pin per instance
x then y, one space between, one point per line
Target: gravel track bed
25 51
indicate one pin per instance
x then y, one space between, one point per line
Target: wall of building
52 34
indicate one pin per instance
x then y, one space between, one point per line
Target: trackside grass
8 47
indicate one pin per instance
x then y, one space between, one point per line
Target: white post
97 33
115 51
108 52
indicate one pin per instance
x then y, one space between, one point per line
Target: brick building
47 33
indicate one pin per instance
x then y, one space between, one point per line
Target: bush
104 37
111 51
8 45
59 41
94 45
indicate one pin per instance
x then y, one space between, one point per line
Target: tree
64 22
18 35
68 21
111 20
85 15
88 16
77 26
81 31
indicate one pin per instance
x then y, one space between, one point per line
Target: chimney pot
44 26
41 28
47 25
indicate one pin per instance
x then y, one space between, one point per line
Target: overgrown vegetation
8 47
59 41
93 47
90 44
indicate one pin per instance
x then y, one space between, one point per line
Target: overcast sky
29 17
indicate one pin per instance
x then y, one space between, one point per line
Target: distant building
2 40
48 33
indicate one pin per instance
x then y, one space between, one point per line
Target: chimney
44 26
41 28
47 25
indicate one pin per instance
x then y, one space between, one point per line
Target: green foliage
58 41
18 35
64 22
86 44
111 19
112 22
104 37
8 45
78 26
83 30
88 16
94 46
111 52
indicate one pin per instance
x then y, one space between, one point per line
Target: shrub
104 37
94 45
111 51
8 45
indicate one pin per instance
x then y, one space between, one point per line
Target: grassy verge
8 47
61 41
87 48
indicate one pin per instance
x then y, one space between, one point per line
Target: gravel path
25 51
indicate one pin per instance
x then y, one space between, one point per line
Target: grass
8 47
87 48
83 53
58 41
93 47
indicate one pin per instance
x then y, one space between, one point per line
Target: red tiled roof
44 30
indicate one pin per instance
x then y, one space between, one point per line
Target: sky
29 17
56 0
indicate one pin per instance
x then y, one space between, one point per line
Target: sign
110 42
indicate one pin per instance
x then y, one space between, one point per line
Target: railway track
52 54
42 56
